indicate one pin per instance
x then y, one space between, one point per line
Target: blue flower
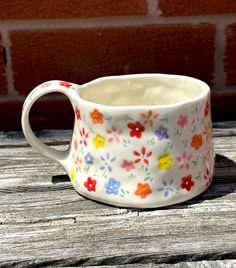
167 188
88 159
162 133
112 186
107 160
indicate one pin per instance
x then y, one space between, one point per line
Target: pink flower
184 160
149 117
142 156
65 84
75 145
47 84
182 121
114 133
127 165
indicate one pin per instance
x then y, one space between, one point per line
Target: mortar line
220 44
153 7
6 43
123 21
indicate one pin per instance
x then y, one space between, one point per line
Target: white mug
140 140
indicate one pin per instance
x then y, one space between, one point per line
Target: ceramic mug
140 140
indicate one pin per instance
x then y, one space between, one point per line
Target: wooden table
44 222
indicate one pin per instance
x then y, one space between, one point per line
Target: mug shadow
224 183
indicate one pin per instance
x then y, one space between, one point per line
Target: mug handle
66 88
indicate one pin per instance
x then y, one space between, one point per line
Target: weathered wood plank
48 224
197 264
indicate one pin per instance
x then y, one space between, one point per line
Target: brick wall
80 40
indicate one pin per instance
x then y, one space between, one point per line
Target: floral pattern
65 84
184 160
167 187
77 113
149 117
165 162
143 190
182 121
128 165
84 135
114 134
96 116
107 162
158 151
88 159
99 141
142 156
90 184
136 129
187 183
162 133
112 186
196 141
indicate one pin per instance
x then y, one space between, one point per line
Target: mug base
153 205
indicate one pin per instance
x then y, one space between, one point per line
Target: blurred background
80 40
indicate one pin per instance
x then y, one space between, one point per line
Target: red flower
65 84
90 184
187 183
142 156
77 113
84 136
206 110
136 129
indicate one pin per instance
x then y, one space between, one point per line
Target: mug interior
143 90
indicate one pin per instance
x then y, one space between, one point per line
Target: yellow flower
72 174
99 141
165 162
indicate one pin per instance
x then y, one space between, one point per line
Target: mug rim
204 86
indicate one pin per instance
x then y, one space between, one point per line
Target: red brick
196 7
56 113
47 113
3 85
230 55
35 9
82 55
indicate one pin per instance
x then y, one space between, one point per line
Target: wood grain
45 223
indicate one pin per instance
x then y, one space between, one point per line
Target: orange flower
97 117
143 190
196 141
